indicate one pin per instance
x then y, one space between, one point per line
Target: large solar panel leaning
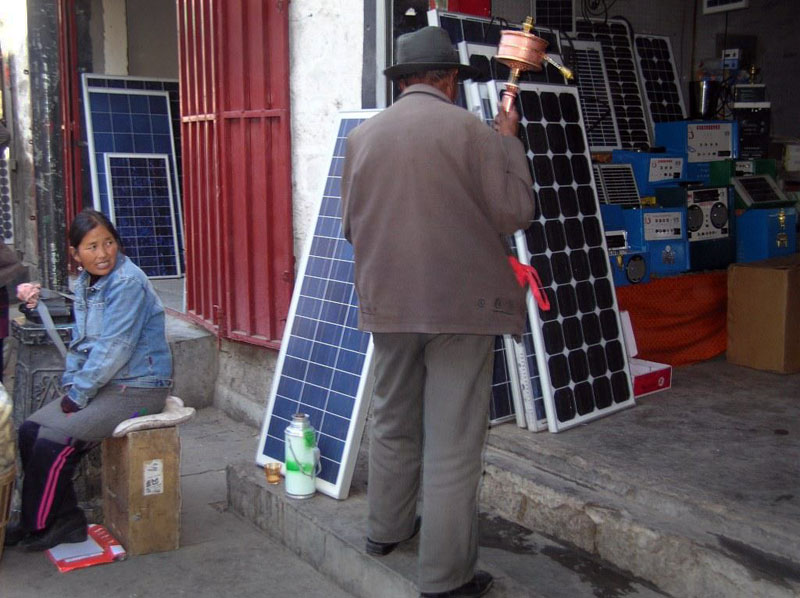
595 95
579 345
616 185
530 406
324 362
659 76
623 78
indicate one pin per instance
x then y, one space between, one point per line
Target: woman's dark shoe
384 548
15 533
477 586
69 528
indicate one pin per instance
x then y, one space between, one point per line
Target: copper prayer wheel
523 51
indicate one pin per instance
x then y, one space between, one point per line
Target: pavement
220 553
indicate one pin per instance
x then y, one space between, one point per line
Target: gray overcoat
428 193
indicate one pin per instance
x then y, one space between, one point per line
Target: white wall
326 41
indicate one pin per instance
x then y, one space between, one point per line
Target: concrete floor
220 554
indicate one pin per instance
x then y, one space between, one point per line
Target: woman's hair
85 221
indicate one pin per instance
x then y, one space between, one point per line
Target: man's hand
29 293
507 123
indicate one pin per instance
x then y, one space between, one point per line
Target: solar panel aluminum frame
90 133
112 208
553 423
523 353
514 387
341 488
643 79
580 45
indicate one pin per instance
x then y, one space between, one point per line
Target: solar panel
759 191
579 348
6 204
595 96
659 75
557 14
483 35
505 404
128 115
141 207
616 184
324 361
626 97
530 383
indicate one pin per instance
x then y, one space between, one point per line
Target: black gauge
719 215
694 218
635 269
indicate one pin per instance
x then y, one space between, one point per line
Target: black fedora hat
427 49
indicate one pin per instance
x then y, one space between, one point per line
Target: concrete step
691 493
330 535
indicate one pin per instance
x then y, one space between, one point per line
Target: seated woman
118 366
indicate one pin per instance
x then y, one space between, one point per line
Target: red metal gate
234 77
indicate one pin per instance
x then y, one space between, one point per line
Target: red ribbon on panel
528 275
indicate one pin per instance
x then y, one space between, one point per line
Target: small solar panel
615 38
616 184
760 191
324 361
6 203
141 208
659 75
583 366
595 96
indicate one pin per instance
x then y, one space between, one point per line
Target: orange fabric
680 319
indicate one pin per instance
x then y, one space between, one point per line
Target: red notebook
100 547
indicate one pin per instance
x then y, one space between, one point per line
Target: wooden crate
142 489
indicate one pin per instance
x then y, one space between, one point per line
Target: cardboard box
648 376
764 314
142 489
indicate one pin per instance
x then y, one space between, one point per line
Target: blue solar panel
132 116
324 359
141 207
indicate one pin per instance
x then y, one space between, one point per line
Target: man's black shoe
477 586
15 533
69 528
384 548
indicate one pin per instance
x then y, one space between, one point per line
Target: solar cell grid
324 359
620 66
6 205
659 75
502 407
595 96
582 364
141 207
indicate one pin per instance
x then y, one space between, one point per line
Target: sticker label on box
154 477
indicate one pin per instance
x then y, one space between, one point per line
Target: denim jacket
119 334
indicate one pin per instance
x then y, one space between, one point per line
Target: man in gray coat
428 193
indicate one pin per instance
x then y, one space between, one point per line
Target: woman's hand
68 405
29 293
